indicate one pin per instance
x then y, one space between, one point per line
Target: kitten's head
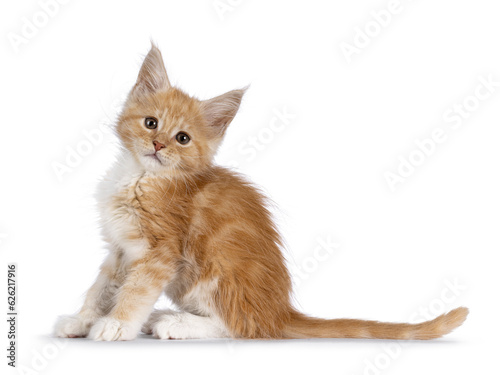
167 131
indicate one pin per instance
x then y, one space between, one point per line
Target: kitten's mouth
155 157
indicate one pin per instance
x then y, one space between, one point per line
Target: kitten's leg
134 301
98 301
168 324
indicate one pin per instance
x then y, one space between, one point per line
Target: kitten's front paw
72 326
110 329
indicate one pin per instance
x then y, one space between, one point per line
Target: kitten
177 224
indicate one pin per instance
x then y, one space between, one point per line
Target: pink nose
158 145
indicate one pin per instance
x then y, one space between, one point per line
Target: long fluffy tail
303 326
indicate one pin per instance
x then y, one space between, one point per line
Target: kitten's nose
158 145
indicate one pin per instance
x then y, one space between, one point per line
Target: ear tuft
220 111
153 75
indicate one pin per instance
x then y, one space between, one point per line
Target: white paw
171 326
154 317
110 329
168 324
72 326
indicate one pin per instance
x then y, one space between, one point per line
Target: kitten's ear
153 75
220 111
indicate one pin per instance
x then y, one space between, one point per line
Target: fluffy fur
178 224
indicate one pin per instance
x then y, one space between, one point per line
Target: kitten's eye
151 123
182 138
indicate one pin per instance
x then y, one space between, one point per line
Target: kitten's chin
153 163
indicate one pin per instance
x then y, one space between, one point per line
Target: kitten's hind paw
155 316
183 325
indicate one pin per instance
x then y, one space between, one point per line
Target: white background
398 250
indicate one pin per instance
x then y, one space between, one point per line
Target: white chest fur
117 202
